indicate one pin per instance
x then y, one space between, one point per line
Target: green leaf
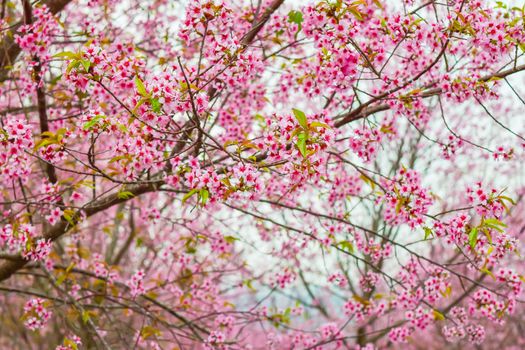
488 272
297 18
66 54
63 276
91 123
368 180
301 118
500 4
70 267
86 64
152 295
149 331
122 128
473 237
155 105
70 343
319 125
125 195
204 195
45 142
494 222
346 246
85 316
428 232
61 279
117 158
447 292
29 245
230 239
438 315
508 199
378 4
188 195
357 14
69 215
301 143
139 103
248 283
71 65
140 87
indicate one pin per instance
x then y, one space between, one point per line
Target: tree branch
17 262
366 110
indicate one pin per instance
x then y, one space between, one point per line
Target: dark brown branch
40 93
256 28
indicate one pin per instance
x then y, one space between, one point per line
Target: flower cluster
451 147
420 318
503 153
511 279
464 88
71 343
136 284
338 279
369 281
344 185
453 230
329 330
405 198
437 285
35 38
372 248
216 341
284 278
487 203
38 251
462 327
489 305
399 334
361 308
366 142
22 238
36 314
300 142
15 139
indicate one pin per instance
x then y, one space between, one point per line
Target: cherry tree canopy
262 174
